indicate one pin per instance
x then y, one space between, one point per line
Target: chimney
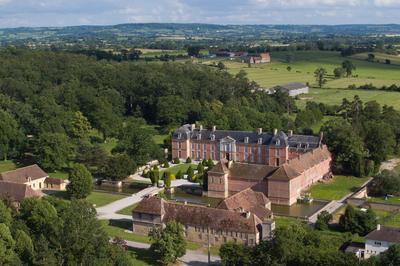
259 131
193 127
214 128
248 215
275 131
201 127
321 135
378 227
290 133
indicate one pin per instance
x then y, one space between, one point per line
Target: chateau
279 165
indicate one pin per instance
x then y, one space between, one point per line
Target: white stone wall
375 247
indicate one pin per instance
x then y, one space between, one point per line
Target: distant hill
123 33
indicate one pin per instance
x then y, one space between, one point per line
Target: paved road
109 211
191 258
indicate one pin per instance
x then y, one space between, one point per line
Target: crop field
304 63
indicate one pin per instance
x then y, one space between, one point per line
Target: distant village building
293 89
262 58
27 182
279 165
243 219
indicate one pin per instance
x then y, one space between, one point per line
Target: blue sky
15 13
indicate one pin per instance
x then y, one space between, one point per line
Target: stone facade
215 225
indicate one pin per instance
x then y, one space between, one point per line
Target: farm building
293 89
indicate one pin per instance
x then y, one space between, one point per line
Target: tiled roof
385 233
248 200
17 191
22 175
200 216
294 167
243 170
294 141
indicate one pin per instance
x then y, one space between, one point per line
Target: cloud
387 3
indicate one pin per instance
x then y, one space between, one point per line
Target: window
193 146
204 155
179 154
205 146
212 155
179 145
198 146
179 135
192 154
198 155
378 243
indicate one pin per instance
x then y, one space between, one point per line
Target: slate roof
248 200
199 216
243 170
22 175
385 233
294 141
294 167
17 191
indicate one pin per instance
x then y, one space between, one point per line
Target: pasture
304 63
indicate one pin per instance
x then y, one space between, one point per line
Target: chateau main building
240 146
279 165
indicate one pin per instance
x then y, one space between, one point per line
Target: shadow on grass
121 223
143 255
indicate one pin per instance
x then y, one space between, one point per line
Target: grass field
127 210
304 63
7 166
101 198
60 174
390 200
387 218
379 58
335 96
337 188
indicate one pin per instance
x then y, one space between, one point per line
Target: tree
190 173
188 160
154 176
234 254
348 66
221 65
5 214
168 243
167 179
210 164
7 243
319 75
289 68
385 183
138 143
357 221
53 150
24 247
80 182
379 140
339 72
10 135
119 166
193 50
371 58
200 168
390 257
79 127
323 220
179 175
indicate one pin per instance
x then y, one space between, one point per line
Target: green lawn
337 188
180 167
335 96
390 200
7 166
304 64
127 210
281 221
63 174
387 218
102 198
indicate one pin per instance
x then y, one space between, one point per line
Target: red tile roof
22 175
248 200
17 191
199 216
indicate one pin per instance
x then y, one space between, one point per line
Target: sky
17 13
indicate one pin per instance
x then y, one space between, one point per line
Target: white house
380 240
293 89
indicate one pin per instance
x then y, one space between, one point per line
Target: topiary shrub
177 161
189 160
179 175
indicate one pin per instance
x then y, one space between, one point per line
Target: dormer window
259 140
278 142
199 136
212 137
246 140
179 135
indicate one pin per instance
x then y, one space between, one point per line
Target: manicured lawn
142 257
101 198
281 221
387 218
60 174
7 166
180 167
390 200
337 188
127 210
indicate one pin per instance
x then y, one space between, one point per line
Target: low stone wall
373 205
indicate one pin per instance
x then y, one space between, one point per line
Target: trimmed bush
177 161
189 160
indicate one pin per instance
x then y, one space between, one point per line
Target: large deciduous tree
319 75
80 182
10 135
118 167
